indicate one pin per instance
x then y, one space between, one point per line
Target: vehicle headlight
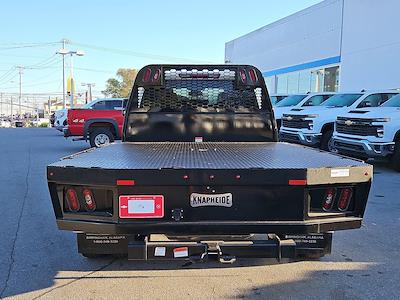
379 132
382 120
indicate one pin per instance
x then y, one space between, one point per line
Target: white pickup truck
314 126
294 102
370 133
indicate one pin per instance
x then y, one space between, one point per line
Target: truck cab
100 122
314 126
370 132
302 101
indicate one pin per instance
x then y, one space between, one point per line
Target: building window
282 84
309 80
331 79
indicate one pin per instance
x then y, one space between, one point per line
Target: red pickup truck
100 122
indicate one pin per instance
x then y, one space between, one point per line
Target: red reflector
72 200
329 199
146 75
253 75
344 200
89 200
125 182
297 182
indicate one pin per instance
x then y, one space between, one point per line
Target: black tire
100 134
395 161
326 139
91 255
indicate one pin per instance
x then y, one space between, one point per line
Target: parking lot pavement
39 261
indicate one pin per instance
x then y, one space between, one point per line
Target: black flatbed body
276 163
200 156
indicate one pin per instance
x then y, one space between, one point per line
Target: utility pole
89 86
20 68
64 52
11 101
63 59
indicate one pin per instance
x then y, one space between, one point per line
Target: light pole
64 52
20 89
89 86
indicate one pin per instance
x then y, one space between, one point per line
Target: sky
121 34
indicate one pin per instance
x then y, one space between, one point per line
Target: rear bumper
308 139
214 228
147 248
363 147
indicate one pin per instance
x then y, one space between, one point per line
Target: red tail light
72 200
89 200
344 200
253 75
146 75
329 199
243 76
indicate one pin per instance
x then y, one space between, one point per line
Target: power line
138 54
32 45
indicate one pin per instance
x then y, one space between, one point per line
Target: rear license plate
141 206
198 200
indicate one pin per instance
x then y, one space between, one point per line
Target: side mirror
123 112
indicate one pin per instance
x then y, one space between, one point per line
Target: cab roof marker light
156 75
146 75
253 75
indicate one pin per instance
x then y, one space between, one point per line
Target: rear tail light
146 75
72 200
90 203
329 199
344 199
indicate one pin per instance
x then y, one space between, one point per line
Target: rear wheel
101 136
91 255
396 156
326 141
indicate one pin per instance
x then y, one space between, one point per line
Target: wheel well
96 125
326 127
397 136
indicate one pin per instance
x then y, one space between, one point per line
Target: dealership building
335 45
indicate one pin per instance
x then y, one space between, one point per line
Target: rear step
146 248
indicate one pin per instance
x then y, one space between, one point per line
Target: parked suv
371 132
294 102
314 127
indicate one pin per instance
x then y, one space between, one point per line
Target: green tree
121 85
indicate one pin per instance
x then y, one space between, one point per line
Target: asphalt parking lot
39 261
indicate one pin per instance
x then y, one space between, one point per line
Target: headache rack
185 102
